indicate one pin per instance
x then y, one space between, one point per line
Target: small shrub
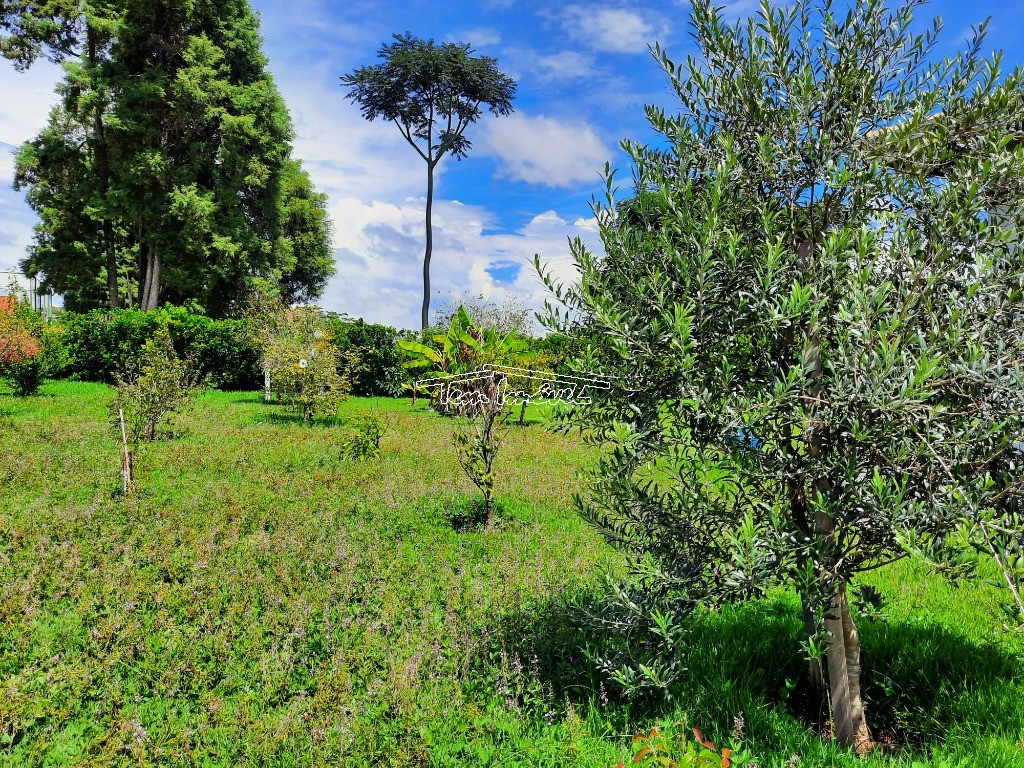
26 377
659 748
19 346
368 430
158 386
298 357
478 438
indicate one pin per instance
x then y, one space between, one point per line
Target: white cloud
380 258
543 150
563 65
613 30
480 37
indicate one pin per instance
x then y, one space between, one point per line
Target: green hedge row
98 345
375 360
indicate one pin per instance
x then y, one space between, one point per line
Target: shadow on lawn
287 418
921 680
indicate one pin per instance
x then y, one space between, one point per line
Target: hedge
98 345
375 361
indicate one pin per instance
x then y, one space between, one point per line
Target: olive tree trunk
849 724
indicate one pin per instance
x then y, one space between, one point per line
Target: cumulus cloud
380 260
543 150
613 30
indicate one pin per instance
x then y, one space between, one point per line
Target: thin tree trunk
522 413
102 160
848 721
425 313
112 288
814 669
148 281
843 659
155 286
151 293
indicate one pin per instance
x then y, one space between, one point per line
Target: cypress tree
168 163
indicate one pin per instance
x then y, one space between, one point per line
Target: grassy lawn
260 600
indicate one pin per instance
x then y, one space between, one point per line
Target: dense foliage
20 346
99 345
371 358
812 316
165 172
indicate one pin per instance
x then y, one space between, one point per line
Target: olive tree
432 93
811 312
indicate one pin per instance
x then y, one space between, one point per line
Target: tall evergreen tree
179 142
79 36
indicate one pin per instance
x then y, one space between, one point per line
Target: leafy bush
26 376
298 355
368 430
99 345
19 346
153 388
372 358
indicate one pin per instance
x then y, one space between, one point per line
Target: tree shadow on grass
921 681
294 419
468 514
251 398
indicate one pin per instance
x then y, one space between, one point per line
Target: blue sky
584 75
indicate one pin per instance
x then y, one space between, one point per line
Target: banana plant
463 349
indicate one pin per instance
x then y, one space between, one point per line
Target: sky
584 74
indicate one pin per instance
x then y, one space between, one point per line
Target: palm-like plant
459 353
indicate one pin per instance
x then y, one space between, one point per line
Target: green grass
260 600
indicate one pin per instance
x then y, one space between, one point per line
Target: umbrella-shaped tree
433 93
